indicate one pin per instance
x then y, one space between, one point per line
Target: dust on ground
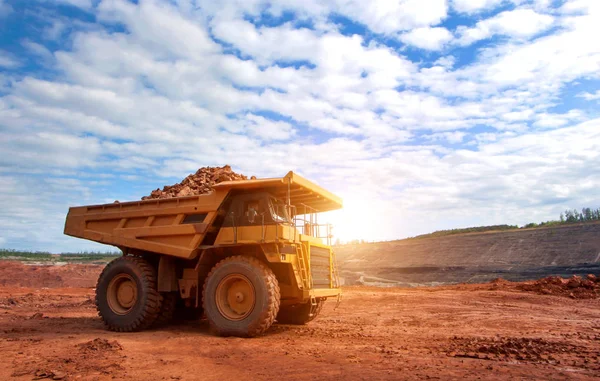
491 331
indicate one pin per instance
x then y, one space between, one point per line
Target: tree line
569 216
586 214
43 256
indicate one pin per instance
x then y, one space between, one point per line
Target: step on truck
246 254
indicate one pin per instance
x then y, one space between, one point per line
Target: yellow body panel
257 234
153 225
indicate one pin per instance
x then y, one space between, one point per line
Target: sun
359 219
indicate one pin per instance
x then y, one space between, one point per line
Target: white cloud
451 137
562 56
263 128
380 16
8 61
268 44
518 23
38 50
446 62
589 96
158 25
549 120
5 8
427 38
542 5
49 150
474 6
384 16
83 4
578 6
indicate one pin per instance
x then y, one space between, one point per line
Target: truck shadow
69 325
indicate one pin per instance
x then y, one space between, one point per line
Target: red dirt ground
495 331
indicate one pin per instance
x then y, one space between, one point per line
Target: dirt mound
17 274
574 287
100 345
201 182
534 350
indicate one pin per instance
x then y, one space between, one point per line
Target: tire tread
268 315
150 310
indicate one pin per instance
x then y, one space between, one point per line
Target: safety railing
304 221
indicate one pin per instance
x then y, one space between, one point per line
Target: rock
201 182
555 280
37 315
42 374
58 375
587 283
574 282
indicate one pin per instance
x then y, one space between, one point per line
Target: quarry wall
475 257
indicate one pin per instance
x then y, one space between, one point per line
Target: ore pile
201 182
574 287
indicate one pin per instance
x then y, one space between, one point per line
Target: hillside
475 257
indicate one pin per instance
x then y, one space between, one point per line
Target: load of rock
575 287
201 182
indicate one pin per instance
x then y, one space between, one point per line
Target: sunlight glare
359 219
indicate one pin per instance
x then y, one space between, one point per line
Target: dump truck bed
178 226
173 226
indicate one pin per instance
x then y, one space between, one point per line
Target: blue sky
422 114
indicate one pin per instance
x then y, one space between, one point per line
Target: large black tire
241 297
167 309
299 314
135 278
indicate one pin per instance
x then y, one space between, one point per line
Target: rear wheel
241 297
167 309
299 314
126 295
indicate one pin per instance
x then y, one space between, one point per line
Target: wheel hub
235 297
126 294
122 294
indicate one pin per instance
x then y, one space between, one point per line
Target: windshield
279 210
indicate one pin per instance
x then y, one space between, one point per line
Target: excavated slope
477 257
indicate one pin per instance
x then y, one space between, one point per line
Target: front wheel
299 314
241 297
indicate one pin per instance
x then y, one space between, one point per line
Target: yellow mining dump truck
247 254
